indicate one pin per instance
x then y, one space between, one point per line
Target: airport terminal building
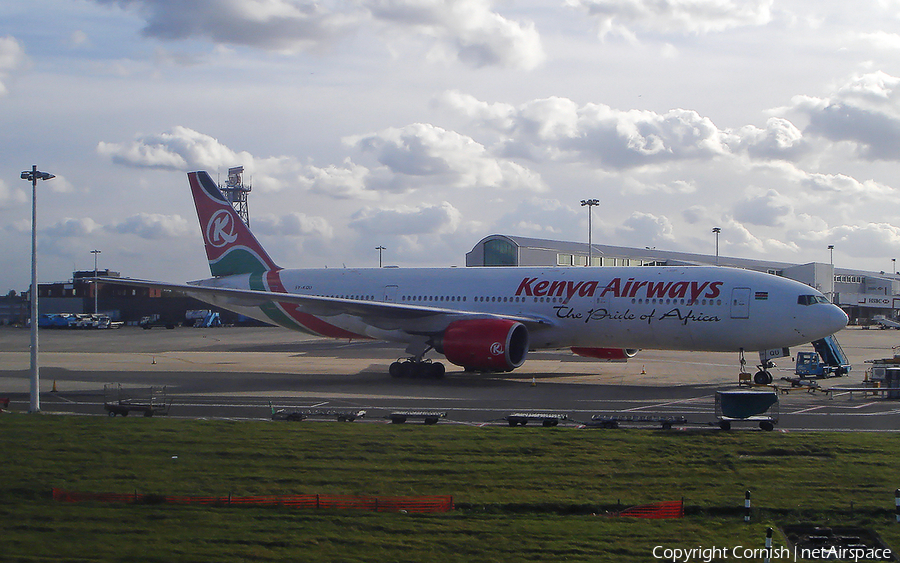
861 294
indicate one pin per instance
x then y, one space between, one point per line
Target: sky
425 125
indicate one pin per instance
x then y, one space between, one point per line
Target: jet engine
608 354
485 344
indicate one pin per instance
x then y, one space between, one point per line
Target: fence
377 504
657 510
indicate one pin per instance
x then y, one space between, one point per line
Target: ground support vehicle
613 421
828 360
341 415
149 401
546 419
747 405
428 417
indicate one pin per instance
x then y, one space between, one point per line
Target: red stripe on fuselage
310 322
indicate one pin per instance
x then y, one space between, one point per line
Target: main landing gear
419 369
417 366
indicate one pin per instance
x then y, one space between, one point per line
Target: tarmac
236 373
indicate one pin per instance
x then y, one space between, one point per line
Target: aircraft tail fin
230 246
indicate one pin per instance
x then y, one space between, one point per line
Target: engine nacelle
485 344
608 354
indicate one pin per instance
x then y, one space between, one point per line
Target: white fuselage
673 308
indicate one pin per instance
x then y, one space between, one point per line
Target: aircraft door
390 293
740 303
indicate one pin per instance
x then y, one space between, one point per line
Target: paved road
237 372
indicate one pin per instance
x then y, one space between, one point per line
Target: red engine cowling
485 344
608 354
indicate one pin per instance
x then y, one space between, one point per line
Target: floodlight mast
34 175
590 203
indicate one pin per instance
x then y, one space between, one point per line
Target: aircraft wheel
762 377
437 370
725 424
408 369
396 369
767 426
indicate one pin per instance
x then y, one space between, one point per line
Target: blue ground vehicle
828 360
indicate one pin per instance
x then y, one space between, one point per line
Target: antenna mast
236 192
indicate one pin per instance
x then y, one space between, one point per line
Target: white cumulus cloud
466 30
627 17
154 226
407 220
293 224
421 154
865 111
12 59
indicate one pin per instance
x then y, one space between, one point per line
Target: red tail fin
230 246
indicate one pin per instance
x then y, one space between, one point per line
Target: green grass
523 494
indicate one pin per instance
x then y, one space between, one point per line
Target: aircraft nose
836 319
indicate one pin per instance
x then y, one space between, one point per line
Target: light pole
380 249
96 287
590 203
33 175
831 261
717 230
894 265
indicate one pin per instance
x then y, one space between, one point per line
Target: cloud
11 197
865 111
184 149
466 30
558 129
738 240
294 225
179 149
625 17
422 154
405 220
73 228
846 186
868 240
12 59
780 140
339 182
278 25
543 218
643 229
154 226
769 209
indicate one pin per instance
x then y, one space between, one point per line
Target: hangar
861 294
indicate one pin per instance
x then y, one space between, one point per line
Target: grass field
522 494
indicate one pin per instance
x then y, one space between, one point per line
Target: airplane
487 319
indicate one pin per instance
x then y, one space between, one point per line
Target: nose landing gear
763 376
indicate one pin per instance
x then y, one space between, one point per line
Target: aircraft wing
375 313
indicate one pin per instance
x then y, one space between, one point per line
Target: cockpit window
811 299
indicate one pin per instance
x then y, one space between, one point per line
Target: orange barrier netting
658 510
378 504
